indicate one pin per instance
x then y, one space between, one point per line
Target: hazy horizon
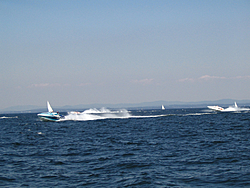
152 104
86 52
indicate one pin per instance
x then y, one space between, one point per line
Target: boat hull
216 108
49 116
47 119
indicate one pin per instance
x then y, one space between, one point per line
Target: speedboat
50 115
216 108
234 108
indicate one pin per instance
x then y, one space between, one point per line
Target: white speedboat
234 108
216 108
50 115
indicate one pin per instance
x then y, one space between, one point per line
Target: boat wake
104 113
4 117
95 114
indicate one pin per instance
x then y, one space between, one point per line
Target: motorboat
50 115
216 108
234 108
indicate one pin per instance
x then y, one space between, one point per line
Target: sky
126 51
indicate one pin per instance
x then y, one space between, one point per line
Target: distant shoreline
144 105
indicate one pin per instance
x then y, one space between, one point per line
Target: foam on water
104 113
4 117
235 109
95 114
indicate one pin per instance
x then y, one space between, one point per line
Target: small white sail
162 107
49 107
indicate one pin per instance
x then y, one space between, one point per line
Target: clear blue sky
123 51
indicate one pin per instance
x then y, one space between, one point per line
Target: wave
198 114
4 117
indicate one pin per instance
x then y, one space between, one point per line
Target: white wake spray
4 117
104 113
95 114
235 109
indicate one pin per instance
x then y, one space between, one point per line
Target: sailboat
50 115
162 107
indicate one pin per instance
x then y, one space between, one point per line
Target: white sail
49 107
162 107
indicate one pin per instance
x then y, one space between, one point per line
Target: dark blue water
152 148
